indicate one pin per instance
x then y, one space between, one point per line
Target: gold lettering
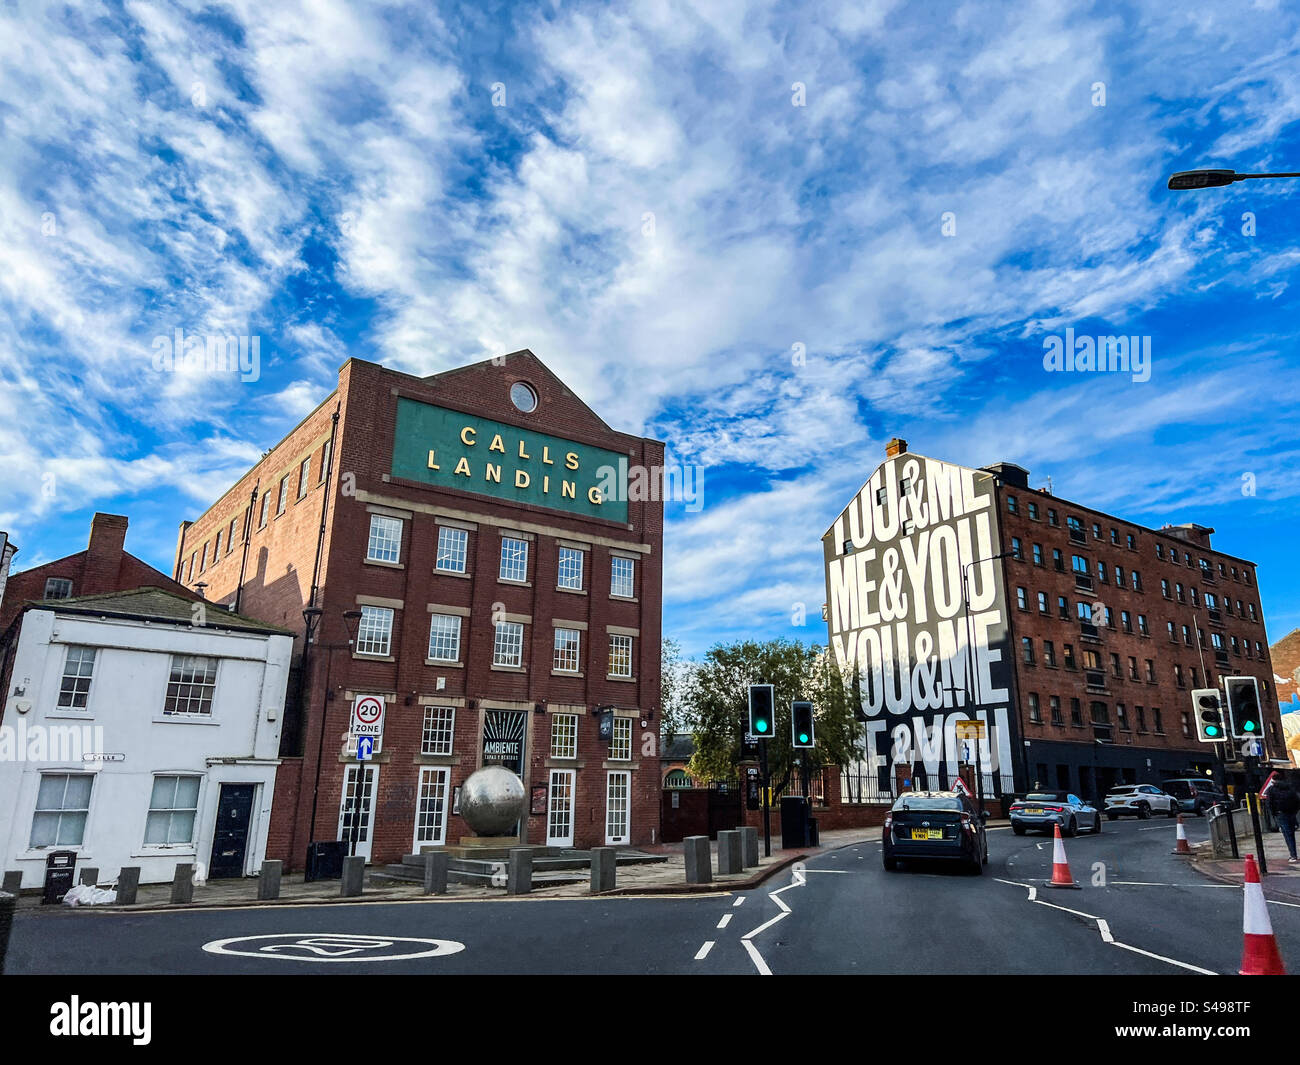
568 490
467 435
497 444
433 465
462 467
522 453
546 456
546 485
593 495
522 480
493 472
571 460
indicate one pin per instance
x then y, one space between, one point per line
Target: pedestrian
1285 804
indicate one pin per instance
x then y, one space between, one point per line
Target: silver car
1139 800
1047 809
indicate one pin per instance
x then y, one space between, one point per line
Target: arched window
678 778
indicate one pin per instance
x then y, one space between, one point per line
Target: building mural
917 616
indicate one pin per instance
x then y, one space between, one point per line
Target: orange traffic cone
1181 846
1260 956
1060 867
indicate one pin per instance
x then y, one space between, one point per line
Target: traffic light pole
1223 775
1252 800
767 809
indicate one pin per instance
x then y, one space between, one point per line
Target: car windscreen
1044 796
1177 787
927 802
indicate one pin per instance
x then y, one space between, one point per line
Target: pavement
1282 880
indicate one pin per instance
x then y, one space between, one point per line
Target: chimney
104 553
896 446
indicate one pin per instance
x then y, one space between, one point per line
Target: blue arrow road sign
365 748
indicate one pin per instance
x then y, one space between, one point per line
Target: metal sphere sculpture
492 800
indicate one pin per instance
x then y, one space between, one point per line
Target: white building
139 728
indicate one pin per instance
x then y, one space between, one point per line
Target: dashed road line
703 952
726 920
740 901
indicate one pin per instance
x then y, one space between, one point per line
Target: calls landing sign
449 449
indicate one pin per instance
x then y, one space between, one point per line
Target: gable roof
155 604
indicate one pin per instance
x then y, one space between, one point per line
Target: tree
719 692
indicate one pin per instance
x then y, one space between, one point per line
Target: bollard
729 852
354 875
699 862
749 847
519 876
7 903
604 866
13 882
89 875
183 883
128 882
435 872
268 884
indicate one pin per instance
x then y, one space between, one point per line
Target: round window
523 397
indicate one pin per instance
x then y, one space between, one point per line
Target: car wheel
1144 812
1111 817
1071 829
1096 824
1019 830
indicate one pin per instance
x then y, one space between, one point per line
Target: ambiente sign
437 446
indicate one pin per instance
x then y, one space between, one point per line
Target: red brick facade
278 575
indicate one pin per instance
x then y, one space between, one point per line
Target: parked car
1195 795
1139 800
935 824
1047 809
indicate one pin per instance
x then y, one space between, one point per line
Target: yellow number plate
927 833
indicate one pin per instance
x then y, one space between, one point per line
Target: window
1027 649
1133 668
1142 625
1114 535
375 633
1131 542
1156 723
1164 587
620 656
1173 635
1187 723
567 645
620 576
1091 660
1033 512
324 460
1067 656
1051 517
1192 592
58 588
1038 554
1119 576
216 548
1017 550
304 475
1101 571
78 666
266 510
444 638
514 559
1096 531
1126 620
508 645
1049 652
203 559
190 686
1022 599
172 806
1108 616
453 545
1054 703
1079 564
1216 640
1058 560
284 495
1076 713
678 778
1035 711
1121 717
1253 615
1063 607
230 540
570 570
385 542
564 735
62 803
431 806
620 746
439 729
1013 506
1160 550
1178 590
1178 676
1084 610
1151 670
1115 668
1187 636
1043 606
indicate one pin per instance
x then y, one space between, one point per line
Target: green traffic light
1211 730
761 725
803 737
1249 726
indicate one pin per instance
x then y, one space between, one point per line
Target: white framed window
567 645
203 559
453 545
230 540
620 744
564 735
190 686
283 501
375 633
304 476
431 807
508 645
620 656
216 547
324 460
570 571
385 542
266 510
74 689
444 637
172 809
439 728
618 793
58 588
514 559
622 577
62 804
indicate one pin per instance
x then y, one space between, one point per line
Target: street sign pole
767 809
1223 774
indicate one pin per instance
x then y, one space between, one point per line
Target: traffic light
1244 714
762 703
1207 705
801 724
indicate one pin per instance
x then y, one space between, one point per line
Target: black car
935 824
1195 795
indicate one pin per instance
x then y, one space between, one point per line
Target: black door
230 838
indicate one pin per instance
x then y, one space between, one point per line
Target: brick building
1076 635
493 550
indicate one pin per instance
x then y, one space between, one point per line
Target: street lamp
1211 179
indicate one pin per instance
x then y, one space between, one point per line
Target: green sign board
449 449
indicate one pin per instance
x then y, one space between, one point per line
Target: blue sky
645 197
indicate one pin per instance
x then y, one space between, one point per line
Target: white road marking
726 920
775 896
759 963
740 901
842 872
703 952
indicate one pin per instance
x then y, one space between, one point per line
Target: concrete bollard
354 876
183 883
268 884
435 872
749 846
519 874
88 874
128 883
699 862
729 852
13 882
7 903
604 866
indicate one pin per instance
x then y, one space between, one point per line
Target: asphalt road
839 913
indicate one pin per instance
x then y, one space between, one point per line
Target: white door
559 809
617 800
431 808
354 807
